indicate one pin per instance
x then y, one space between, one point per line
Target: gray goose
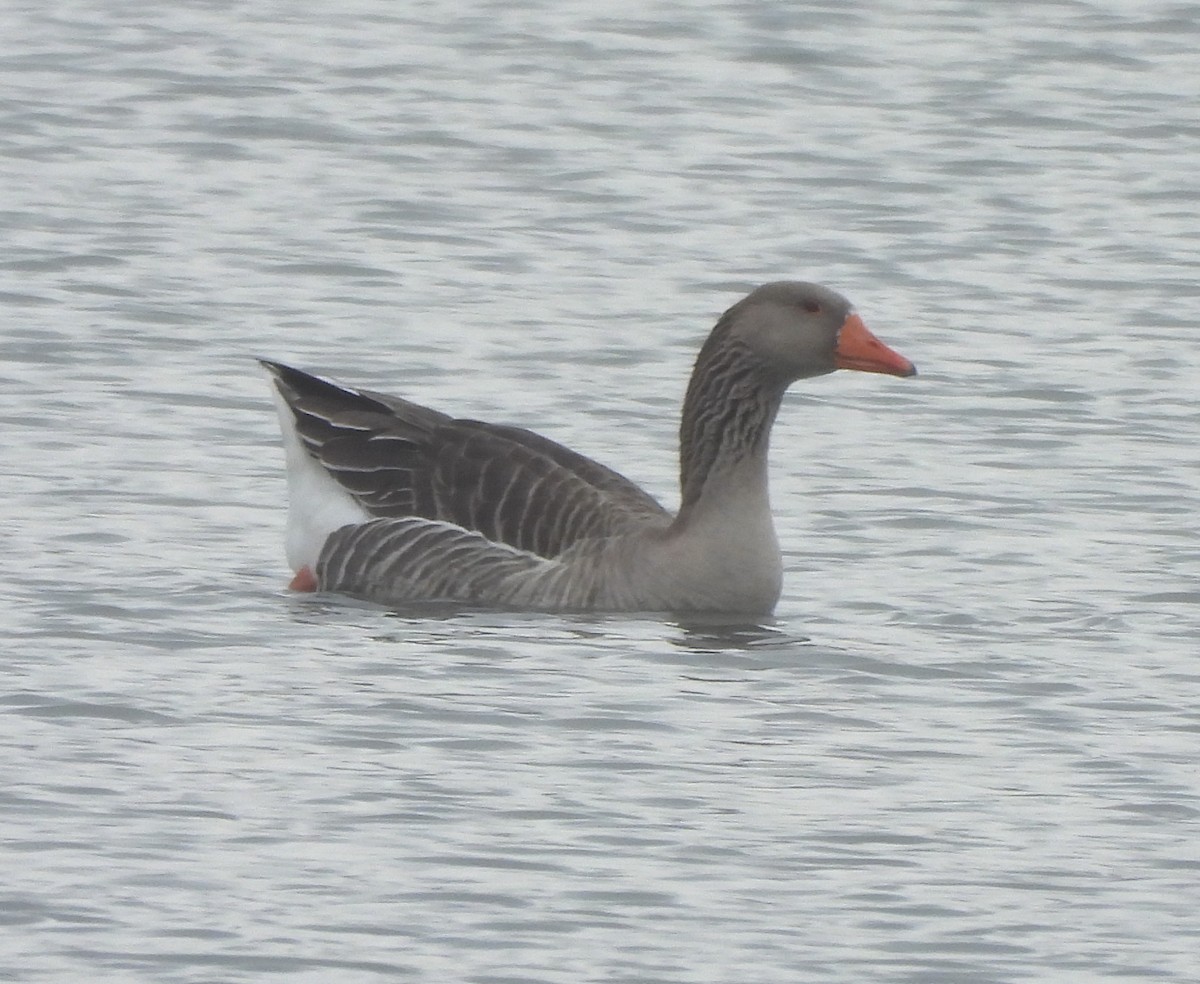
394 502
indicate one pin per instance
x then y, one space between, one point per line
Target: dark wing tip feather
296 384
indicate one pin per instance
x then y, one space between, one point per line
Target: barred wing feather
510 485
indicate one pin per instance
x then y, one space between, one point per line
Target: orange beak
858 349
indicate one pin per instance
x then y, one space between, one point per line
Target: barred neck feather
731 403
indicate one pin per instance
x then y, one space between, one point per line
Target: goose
393 502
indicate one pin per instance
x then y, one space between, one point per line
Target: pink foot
305 580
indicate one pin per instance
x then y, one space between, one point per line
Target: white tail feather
317 505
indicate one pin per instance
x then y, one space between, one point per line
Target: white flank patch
317 505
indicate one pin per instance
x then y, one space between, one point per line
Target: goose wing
419 559
510 485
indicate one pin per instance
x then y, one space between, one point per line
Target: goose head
775 335
798 330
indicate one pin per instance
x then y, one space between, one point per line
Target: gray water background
966 747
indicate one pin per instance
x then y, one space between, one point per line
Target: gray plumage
451 509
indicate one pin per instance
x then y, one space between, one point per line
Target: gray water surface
966 747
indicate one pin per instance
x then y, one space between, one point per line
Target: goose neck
731 403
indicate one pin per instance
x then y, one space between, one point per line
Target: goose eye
812 307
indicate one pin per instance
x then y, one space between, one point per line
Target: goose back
509 485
